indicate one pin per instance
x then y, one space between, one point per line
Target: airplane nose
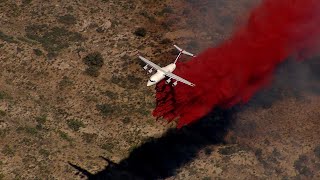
149 83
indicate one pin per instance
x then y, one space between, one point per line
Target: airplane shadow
159 158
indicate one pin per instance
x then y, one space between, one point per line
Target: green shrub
317 151
94 61
92 71
126 120
229 150
37 52
107 146
166 10
105 109
3 95
31 130
88 137
67 19
75 124
65 136
44 152
3 133
8 151
165 41
2 113
7 38
142 32
65 82
111 94
1 176
26 2
40 121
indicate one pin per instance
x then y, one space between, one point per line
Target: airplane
163 72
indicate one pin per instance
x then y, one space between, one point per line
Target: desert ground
73 96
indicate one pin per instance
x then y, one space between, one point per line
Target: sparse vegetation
129 81
28 129
301 166
64 114
52 39
75 124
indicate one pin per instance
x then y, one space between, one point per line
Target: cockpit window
151 80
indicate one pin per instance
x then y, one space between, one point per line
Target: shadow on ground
159 158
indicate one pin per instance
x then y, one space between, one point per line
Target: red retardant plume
232 72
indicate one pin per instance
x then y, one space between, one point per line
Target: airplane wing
180 79
151 64
169 74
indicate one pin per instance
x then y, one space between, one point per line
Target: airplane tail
182 52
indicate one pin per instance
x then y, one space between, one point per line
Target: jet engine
145 67
174 84
150 71
168 81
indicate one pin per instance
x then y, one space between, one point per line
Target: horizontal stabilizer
183 51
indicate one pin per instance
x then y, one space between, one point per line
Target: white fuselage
158 76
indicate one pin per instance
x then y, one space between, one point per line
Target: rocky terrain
73 91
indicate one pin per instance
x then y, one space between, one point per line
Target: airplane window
151 80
